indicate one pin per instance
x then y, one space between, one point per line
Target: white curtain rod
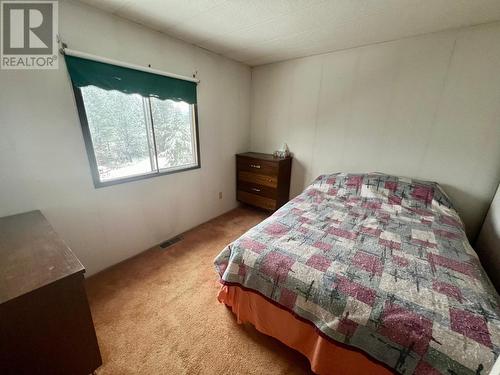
105 60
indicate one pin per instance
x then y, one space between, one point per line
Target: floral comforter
380 263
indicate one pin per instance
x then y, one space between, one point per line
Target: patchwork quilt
380 263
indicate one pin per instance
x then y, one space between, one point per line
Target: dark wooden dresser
45 321
263 180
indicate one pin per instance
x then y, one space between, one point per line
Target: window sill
101 184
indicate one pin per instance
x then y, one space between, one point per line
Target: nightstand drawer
256 200
270 181
263 191
258 166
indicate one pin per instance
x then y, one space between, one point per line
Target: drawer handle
255 189
255 166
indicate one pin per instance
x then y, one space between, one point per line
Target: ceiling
258 32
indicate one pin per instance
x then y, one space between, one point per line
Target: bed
367 273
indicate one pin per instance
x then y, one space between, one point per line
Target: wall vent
170 242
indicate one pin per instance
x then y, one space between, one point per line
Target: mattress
378 263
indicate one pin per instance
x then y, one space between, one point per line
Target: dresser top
262 156
32 255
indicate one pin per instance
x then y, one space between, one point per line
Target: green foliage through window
132 135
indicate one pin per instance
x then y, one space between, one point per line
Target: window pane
173 124
120 134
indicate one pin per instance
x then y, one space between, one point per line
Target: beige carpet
157 313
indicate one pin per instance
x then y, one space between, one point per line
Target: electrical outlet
220 194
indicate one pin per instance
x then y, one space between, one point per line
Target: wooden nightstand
263 180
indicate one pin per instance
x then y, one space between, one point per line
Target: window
137 130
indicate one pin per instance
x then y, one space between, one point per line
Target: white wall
427 107
488 242
43 163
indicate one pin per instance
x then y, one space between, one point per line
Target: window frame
89 147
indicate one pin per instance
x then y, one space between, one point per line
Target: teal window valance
85 72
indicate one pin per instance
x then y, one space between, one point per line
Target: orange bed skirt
325 356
